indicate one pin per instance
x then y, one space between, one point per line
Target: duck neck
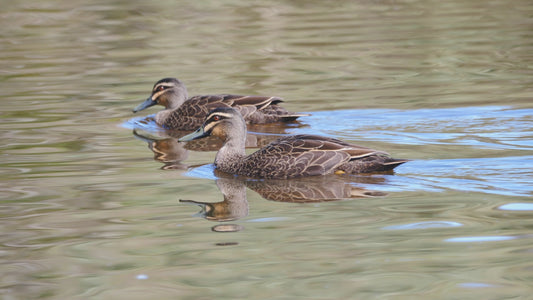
176 100
231 155
162 116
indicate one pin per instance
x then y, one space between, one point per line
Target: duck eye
216 118
160 88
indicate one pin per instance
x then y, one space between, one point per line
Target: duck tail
393 163
292 117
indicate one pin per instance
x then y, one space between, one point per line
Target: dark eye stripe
162 86
220 116
215 118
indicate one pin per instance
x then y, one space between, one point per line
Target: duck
289 156
184 113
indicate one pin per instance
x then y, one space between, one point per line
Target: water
90 210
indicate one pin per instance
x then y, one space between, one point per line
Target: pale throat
174 99
175 102
232 152
162 116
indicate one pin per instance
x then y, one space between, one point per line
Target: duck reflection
171 153
310 189
167 150
301 190
234 206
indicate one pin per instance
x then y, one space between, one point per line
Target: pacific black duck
287 157
185 113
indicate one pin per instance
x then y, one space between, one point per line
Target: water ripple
478 239
502 175
517 206
424 225
490 127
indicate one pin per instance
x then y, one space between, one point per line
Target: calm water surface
97 203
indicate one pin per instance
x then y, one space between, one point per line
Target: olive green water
88 213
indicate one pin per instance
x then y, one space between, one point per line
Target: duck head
225 123
168 92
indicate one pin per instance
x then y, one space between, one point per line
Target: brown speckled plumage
287 157
185 113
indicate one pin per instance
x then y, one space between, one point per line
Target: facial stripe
210 122
210 126
222 115
157 94
167 84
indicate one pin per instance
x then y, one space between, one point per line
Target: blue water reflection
517 206
492 127
478 239
424 225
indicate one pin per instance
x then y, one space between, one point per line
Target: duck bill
198 134
147 103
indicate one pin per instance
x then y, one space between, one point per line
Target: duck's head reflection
167 150
234 206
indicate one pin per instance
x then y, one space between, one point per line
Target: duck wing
192 112
235 101
309 142
248 105
305 155
254 109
